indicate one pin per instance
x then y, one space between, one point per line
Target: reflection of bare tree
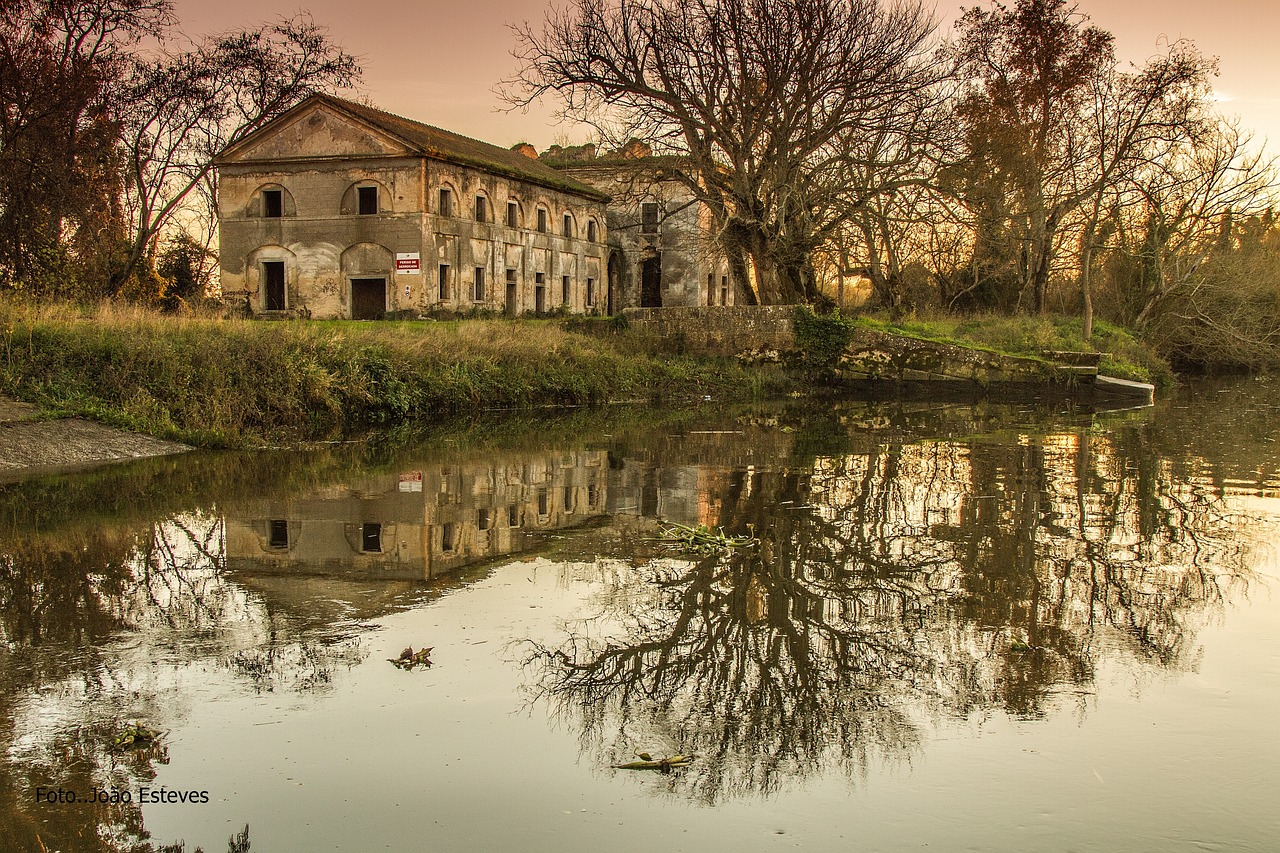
894 580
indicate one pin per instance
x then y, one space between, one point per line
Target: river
990 627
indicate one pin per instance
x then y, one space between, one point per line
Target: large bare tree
767 101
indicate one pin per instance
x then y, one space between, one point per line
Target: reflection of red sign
408 262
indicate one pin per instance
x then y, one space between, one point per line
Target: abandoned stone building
336 209
661 251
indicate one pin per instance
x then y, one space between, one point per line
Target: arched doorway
651 280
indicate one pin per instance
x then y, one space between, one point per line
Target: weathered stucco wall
318 163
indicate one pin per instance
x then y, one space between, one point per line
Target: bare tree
761 97
187 105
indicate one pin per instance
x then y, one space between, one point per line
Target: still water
981 627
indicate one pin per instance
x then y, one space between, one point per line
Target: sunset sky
439 61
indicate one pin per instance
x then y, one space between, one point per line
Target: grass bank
229 382
1123 355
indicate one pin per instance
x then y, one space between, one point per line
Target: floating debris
409 658
702 539
135 736
662 765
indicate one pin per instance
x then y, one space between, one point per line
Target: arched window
366 198
272 201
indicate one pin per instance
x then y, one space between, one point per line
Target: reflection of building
337 209
420 523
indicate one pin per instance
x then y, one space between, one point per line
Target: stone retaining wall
741 330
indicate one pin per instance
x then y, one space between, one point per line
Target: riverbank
215 382
30 446
238 383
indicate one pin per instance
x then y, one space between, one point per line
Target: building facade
662 251
339 210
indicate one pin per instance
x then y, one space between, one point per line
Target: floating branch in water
409 658
662 765
134 736
702 539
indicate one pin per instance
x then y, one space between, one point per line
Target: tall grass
231 382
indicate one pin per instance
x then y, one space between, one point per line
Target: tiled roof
455 148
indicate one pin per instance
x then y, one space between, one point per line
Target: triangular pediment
317 130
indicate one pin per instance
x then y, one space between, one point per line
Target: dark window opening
564 290
651 283
711 288
542 503
540 300
368 197
511 276
542 220
539 278
479 289
273 203
513 516
593 494
278 533
649 218
568 498
591 231
481 209
446 203
273 285
513 214
371 537
591 291
724 290
482 519
568 225
446 537
444 282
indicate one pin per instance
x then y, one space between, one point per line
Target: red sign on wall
409 263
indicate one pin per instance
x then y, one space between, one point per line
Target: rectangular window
444 282
479 289
543 509
482 519
568 498
481 210
278 535
511 276
368 200
371 537
591 231
591 291
446 203
273 285
724 290
513 516
446 536
568 226
649 217
542 220
711 288
513 214
564 290
539 278
273 203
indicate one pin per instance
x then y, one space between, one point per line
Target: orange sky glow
439 61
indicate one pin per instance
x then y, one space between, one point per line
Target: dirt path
30 447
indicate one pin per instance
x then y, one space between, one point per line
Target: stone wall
739 330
